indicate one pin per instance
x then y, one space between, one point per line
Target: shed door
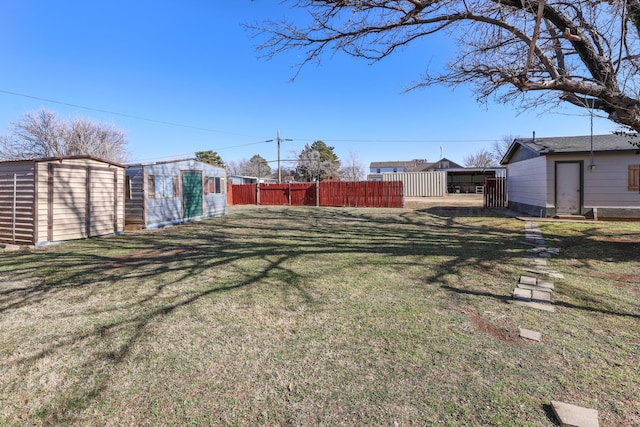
568 187
192 194
82 202
68 207
102 196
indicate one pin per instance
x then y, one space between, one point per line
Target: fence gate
495 192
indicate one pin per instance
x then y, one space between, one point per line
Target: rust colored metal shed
56 199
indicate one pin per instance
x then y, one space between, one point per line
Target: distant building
424 179
376 169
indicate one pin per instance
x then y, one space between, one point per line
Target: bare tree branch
585 50
43 134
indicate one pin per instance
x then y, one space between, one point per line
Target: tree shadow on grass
152 274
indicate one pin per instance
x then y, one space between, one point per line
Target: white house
595 176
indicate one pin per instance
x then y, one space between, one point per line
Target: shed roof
571 144
53 159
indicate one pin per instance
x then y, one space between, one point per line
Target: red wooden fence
374 194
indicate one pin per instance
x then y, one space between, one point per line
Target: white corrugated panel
420 184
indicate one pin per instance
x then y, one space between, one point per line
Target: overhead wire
182 125
115 113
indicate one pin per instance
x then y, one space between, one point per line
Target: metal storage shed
55 199
167 193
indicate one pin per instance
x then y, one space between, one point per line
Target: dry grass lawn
307 316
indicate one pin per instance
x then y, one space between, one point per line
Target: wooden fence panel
274 194
332 194
303 194
244 194
375 194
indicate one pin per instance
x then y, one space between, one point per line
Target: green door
192 194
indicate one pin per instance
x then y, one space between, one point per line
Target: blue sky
183 76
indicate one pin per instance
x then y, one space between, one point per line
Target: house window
634 178
162 186
378 170
395 169
212 185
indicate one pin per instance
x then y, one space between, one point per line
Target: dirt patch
623 281
452 200
482 325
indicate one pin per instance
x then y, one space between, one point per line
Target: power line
130 116
186 155
399 140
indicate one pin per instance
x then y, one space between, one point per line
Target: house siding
530 185
606 185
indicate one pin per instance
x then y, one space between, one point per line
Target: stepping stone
541 296
574 416
536 305
537 250
535 261
524 242
526 280
522 294
530 335
544 254
536 270
556 275
548 284
534 288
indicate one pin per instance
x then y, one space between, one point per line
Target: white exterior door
568 187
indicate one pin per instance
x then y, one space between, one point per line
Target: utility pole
279 170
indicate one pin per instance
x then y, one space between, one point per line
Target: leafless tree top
583 52
43 133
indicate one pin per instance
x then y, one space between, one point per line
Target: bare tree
532 52
353 169
481 159
43 134
501 146
310 165
317 162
